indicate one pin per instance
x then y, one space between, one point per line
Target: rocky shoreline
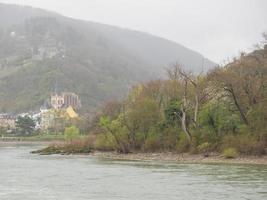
182 158
59 148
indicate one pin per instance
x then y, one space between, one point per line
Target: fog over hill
40 50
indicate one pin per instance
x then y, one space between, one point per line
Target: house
7 121
47 118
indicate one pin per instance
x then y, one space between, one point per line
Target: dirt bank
183 158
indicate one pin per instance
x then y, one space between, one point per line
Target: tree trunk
184 126
242 114
183 109
196 106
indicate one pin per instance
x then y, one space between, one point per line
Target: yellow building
71 113
51 118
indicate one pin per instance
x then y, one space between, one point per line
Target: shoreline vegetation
67 148
215 158
223 110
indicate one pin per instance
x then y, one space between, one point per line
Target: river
24 176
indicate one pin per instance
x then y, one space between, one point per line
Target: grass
75 146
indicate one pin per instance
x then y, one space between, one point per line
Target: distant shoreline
28 142
182 158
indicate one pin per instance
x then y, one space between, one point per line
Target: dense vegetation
40 50
224 110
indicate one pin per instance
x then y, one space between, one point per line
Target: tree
25 125
243 82
209 110
118 132
187 81
71 133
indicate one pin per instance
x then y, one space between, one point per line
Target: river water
24 176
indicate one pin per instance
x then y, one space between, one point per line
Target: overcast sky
218 29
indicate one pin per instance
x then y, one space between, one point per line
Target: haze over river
34 177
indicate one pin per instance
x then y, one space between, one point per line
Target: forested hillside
41 50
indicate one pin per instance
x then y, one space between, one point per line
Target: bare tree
188 80
176 73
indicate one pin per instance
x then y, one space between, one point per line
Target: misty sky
218 29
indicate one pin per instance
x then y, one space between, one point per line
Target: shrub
152 142
182 144
105 142
230 153
71 133
170 138
77 146
89 141
245 143
204 147
123 140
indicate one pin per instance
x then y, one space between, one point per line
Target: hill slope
41 49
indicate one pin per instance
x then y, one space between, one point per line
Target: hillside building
57 101
65 100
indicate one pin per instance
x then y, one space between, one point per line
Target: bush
204 147
105 142
123 140
170 138
182 144
77 146
152 142
245 143
71 133
230 153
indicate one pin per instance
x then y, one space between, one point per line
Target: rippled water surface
33 177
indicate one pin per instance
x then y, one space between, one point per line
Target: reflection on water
26 176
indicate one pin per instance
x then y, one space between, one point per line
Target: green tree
118 131
25 125
71 133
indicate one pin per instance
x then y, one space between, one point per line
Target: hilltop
41 50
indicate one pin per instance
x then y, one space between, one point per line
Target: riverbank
182 158
84 149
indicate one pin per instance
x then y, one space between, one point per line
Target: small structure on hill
64 100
